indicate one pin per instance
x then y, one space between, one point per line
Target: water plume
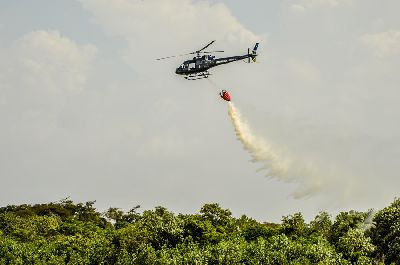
259 150
276 165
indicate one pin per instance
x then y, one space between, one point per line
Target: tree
343 223
294 225
251 230
386 233
356 247
322 224
200 230
156 228
120 218
219 217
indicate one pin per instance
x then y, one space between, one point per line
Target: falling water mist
275 164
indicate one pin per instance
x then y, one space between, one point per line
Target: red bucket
225 95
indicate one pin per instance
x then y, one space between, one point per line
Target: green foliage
322 224
294 225
220 218
156 228
252 230
343 223
29 228
211 226
122 219
356 247
386 233
68 233
200 230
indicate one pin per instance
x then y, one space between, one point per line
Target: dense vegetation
69 233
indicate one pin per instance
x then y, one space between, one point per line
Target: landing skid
197 76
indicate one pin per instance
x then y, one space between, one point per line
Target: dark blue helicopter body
197 68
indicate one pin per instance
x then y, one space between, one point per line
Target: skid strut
197 76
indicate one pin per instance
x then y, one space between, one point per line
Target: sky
88 113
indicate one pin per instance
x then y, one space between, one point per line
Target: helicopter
197 68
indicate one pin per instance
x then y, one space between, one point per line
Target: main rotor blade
163 58
196 52
211 51
205 47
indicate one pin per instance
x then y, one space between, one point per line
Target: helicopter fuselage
201 64
197 68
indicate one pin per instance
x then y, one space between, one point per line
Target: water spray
275 164
259 150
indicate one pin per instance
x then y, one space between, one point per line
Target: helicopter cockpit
185 67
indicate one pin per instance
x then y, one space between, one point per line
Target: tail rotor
253 54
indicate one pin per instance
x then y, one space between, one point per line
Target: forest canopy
65 232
